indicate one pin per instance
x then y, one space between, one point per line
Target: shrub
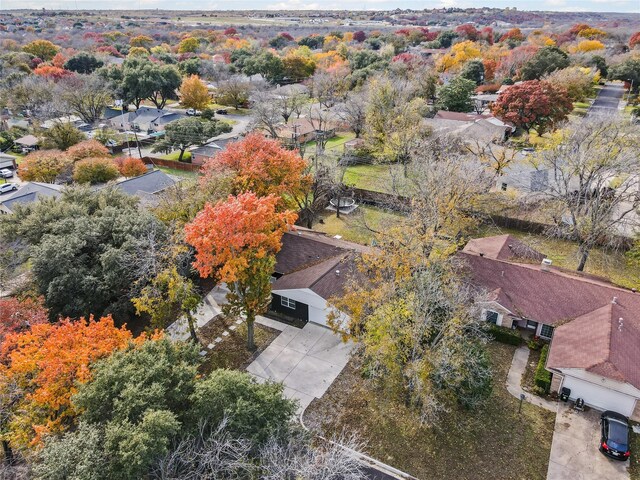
535 344
95 170
43 166
87 149
130 167
542 377
505 335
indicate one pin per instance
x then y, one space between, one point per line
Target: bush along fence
505 335
542 377
163 162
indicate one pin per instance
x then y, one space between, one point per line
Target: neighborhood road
608 99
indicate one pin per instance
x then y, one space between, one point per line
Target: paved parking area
574 450
306 360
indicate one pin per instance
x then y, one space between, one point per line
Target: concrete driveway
306 360
574 449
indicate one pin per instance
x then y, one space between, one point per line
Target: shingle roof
31 192
552 297
586 311
151 182
310 260
502 247
605 342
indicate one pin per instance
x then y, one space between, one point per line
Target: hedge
505 335
542 378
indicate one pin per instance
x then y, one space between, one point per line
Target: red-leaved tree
18 315
533 104
236 241
262 166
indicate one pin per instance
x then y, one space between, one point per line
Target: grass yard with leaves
359 226
493 442
232 351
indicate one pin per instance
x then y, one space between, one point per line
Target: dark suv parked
614 441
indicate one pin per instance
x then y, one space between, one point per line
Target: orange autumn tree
39 372
236 242
262 166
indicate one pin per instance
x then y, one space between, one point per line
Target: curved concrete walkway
514 380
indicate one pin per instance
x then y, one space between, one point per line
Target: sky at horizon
631 6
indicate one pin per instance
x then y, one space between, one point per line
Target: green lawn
379 178
335 144
492 442
605 263
179 173
175 155
359 226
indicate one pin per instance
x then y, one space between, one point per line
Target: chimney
615 301
545 266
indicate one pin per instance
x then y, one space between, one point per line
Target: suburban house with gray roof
593 325
28 193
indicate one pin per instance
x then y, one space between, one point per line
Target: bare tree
319 119
295 458
353 112
495 157
234 92
86 96
38 96
266 116
594 187
313 201
444 185
328 88
286 103
219 456
207 456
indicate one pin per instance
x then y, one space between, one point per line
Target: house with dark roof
593 325
29 192
310 269
200 155
145 119
147 186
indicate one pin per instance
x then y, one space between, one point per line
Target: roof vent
620 322
546 264
615 301
337 273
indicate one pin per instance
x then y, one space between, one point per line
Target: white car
8 187
6 173
193 112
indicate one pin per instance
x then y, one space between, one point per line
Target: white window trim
287 302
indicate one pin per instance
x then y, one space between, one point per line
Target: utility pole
120 103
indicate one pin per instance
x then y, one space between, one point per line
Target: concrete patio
306 360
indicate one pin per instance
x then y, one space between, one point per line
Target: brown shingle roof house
310 269
593 325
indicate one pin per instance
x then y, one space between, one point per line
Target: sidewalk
514 379
207 310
